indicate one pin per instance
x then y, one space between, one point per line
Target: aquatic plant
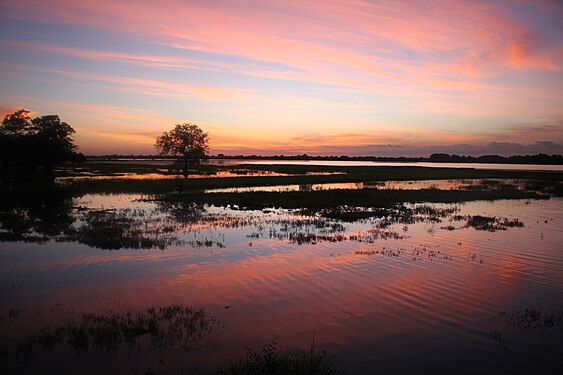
162 329
532 318
492 224
270 360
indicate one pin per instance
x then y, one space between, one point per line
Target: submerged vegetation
153 340
161 335
166 328
493 223
270 360
532 318
163 223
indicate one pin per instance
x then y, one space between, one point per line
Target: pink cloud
338 40
160 88
469 58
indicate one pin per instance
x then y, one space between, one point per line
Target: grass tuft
270 360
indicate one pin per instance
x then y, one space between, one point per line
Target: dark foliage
187 141
42 142
516 159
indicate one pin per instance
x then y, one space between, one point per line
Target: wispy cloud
386 71
403 41
159 88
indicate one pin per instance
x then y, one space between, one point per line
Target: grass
166 328
532 318
172 332
317 200
270 360
493 224
299 177
26 184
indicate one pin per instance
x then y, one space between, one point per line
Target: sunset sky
397 78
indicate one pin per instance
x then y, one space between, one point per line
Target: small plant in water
269 360
161 329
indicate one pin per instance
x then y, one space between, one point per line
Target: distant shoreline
539 159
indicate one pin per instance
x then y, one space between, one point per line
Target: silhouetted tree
29 143
185 140
440 157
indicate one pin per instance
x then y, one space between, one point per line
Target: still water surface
420 288
520 167
349 163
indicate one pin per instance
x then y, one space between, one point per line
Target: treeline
41 142
516 159
438 158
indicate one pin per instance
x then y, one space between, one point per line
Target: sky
346 77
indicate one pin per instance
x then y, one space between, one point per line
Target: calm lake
474 287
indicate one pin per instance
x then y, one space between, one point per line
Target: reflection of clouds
372 304
114 222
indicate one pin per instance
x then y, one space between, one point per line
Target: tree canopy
27 143
186 140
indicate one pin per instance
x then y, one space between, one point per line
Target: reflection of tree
114 230
157 225
184 212
33 217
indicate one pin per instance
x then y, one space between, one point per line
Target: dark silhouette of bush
42 142
516 159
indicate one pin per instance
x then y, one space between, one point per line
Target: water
515 167
414 288
349 163
165 175
384 185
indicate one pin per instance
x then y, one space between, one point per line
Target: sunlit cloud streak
446 73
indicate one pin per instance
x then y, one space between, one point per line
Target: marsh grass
35 209
532 318
300 175
270 360
493 224
331 199
161 223
156 329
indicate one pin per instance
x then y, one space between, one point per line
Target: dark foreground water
441 288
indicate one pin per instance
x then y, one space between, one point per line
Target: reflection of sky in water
341 163
380 185
164 175
431 295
